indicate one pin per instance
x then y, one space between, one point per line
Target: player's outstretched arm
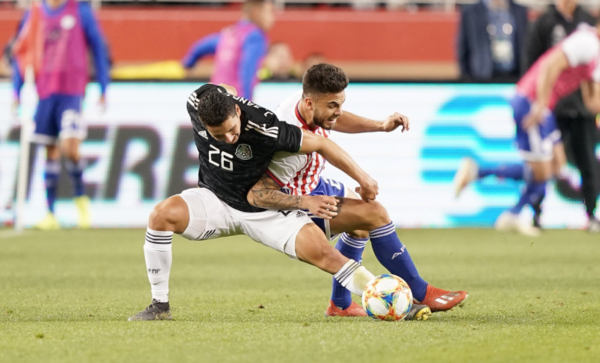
368 189
353 124
266 193
550 70
591 96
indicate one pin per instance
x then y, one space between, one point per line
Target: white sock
354 277
159 257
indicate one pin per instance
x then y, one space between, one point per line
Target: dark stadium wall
153 34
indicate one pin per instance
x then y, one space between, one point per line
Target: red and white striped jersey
582 49
298 173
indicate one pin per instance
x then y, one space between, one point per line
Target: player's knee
378 216
169 215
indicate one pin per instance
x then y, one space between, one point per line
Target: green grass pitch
65 297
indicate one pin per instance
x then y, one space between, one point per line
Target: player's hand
102 104
396 120
535 116
322 206
368 189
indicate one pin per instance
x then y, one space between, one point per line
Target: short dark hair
214 108
324 78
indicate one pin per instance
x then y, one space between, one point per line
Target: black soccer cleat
155 311
418 312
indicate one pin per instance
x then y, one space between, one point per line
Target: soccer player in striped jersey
569 65
317 108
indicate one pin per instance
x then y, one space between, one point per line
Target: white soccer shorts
211 218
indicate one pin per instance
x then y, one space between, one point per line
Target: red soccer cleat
353 310
443 300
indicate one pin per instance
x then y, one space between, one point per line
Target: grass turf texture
66 296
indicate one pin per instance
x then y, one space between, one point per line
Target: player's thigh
332 188
46 127
70 148
209 217
536 144
560 158
275 229
68 112
356 214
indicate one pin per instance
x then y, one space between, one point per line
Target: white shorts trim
541 149
80 134
274 229
44 139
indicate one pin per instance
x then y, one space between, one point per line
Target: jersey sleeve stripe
249 127
275 179
274 129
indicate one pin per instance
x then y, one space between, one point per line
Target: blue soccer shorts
537 143
331 188
58 117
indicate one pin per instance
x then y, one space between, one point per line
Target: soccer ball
387 297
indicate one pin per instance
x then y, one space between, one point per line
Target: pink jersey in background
585 40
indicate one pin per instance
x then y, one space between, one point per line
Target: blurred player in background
278 64
576 123
236 140
564 68
317 108
54 40
238 49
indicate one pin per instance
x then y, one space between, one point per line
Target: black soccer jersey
230 170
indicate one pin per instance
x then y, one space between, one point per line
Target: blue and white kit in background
537 143
581 49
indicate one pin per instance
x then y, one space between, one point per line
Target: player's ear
238 111
310 103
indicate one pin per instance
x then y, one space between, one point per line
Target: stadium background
141 150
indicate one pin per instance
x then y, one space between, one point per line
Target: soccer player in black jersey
236 140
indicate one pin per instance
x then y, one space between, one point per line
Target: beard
322 122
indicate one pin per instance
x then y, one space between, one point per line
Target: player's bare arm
334 154
266 193
352 124
591 96
552 67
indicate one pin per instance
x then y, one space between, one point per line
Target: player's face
263 15
228 131
327 108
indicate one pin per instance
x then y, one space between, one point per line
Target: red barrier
138 35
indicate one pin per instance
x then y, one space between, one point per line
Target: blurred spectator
278 64
311 60
53 40
238 49
490 40
576 123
